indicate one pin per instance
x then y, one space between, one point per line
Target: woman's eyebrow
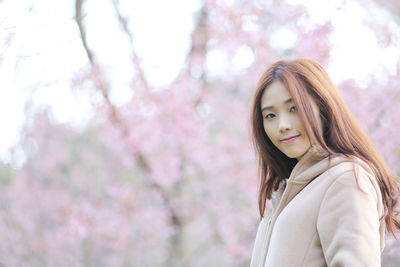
270 107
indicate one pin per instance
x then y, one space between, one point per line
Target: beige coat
321 218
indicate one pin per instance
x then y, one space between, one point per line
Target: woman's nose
284 124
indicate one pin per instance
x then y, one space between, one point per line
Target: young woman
332 196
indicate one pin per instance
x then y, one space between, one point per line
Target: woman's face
282 123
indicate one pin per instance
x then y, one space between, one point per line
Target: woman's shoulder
354 172
342 164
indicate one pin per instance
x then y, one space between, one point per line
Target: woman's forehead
275 94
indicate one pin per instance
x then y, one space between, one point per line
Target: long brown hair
340 133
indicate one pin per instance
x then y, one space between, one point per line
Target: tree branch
79 21
123 21
116 120
198 52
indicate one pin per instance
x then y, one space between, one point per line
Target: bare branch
123 21
197 54
199 38
79 21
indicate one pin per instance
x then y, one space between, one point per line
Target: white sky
39 57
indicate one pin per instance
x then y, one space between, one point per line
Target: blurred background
125 124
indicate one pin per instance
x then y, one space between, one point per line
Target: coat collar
302 173
310 166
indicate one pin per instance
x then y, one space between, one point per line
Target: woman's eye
269 116
293 108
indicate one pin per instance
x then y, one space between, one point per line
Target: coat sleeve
348 222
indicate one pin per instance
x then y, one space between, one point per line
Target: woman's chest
294 239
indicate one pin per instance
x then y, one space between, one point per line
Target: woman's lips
290 139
